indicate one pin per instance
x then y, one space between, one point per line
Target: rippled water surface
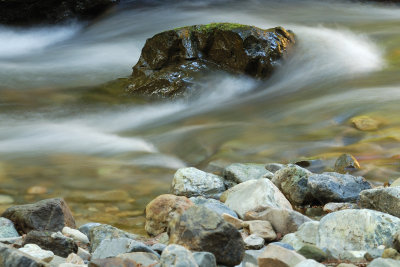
108 157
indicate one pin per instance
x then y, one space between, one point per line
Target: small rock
85 229
356 230
10 257
312 252
335 187
293 240
84 254
293 181
262 229
200 229
365 123
205 259
283 221
346 163
382 199
309 263
75 235
238 223
177 256
380 262
37 190
214 205
59 244
396 240
36 216
191 182
113 247
162 209
391 253
274 256
4 199
255 195
7 228
332 206
105 231
242 172
74 259
38 253
254 242
273 167
284 245
141 258
346 265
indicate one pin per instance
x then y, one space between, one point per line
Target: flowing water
108 159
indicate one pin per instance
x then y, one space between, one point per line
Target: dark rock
105 231
10 257
335 187
23 12
172 59
312 252
57 243
200 229
46 215
382 199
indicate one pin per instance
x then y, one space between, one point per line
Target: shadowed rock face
23 12
172 59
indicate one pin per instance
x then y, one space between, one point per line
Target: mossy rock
171 61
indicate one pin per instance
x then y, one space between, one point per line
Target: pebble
274 256
75 235
262 229
36 252
37 190
74 259
254 242
4 199
177 256
205 259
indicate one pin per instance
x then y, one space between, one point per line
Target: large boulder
255 195
48 11
356 230
382 199
49 214
171 59
192 182
162 209
200 229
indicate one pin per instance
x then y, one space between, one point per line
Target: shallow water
347 63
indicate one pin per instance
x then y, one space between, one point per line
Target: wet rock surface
172 59
27 12
50 215
56 242
200 229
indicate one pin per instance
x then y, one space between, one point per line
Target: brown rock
200 229
49 214
346 163
277 256
161 210
262 229
282 220
238 223
365 123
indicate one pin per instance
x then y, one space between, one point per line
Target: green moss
213 26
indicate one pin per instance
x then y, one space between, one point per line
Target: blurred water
346 63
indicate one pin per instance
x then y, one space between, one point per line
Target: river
108 159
